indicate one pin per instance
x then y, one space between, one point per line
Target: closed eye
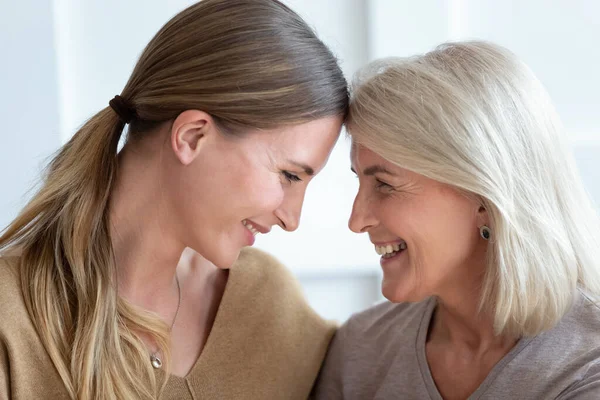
291 177
382 185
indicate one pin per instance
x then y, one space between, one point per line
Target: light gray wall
63 60
28 99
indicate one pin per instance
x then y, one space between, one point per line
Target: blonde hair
248 63
473 116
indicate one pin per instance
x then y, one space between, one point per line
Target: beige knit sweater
266 342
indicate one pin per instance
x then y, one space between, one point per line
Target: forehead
362 157
320 131
308 143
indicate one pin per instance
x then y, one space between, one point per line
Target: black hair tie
123 109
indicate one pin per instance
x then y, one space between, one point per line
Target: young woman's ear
189 132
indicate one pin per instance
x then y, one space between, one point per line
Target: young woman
115 281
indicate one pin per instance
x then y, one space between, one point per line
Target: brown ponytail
250 64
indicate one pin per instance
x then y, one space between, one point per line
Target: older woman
489 245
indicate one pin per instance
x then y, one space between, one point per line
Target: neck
459 321
146 253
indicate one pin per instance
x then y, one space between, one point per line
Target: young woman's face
237 187
426 232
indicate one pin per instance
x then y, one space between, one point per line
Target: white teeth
390 248
250 227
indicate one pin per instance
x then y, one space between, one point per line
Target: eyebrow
307 169
374 169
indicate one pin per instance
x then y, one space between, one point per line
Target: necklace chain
154 359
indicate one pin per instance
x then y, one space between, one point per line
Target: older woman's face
428 230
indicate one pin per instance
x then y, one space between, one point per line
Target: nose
361 218
288 213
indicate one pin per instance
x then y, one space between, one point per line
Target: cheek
440 233
449 236
190 196
261 191
405 217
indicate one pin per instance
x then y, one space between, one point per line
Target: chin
226 261
223 263
394 292
222 258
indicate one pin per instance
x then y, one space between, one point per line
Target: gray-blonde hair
473 116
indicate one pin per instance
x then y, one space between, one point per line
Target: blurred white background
63 60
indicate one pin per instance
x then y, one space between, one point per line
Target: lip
258 227
250 239
396 242
386 261
392 242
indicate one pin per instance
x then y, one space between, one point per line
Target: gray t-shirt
380 354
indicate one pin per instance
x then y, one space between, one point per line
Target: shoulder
378 333
586 388
374 336
259 280
569 355
12 310
260 267
9 275
378 330
365 347
261 283
26 370
16 326
581 325
577 335
269 329
386 317
586 312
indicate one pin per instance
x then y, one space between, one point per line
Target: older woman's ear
483 223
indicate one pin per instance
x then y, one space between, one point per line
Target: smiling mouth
390 250
250 227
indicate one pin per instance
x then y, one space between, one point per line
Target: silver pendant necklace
154 359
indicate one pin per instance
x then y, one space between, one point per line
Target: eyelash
291 177
382 185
